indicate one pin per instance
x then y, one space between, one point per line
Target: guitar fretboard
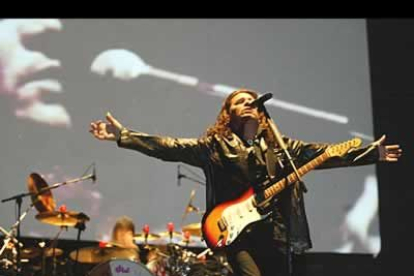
292 177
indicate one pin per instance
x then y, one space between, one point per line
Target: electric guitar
224 223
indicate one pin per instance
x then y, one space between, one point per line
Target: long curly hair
222 125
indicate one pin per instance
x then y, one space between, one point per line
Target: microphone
94 173
261 100
178 176
258 103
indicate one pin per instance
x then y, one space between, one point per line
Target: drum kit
167 253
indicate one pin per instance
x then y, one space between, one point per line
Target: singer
238 152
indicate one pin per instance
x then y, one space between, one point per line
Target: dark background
391 55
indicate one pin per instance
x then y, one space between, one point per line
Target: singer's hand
105 130
388 153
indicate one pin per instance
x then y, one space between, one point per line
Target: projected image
169 77
358 219
18 64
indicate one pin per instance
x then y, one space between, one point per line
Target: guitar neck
292 177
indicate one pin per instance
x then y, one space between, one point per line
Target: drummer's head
123 226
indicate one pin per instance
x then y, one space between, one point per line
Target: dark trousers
257 254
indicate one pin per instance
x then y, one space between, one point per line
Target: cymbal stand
16 226
19 198
81 227
53 246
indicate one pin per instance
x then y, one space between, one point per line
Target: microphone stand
282 144
180 175
192 179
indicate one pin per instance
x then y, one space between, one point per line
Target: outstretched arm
187 150
376 151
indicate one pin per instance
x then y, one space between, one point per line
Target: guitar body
223 224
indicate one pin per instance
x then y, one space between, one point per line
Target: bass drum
120 267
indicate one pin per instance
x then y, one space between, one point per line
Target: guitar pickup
222 225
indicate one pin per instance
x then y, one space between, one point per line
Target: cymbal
45 201
141 237
166 234
194 229
93 255
49 252
187 243
33 252
58 218
30 253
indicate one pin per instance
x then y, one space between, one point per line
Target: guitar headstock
342 148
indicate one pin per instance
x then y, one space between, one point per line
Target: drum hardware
120 267
170 233
194 229
42 200
98 254
62 219
191 208
145 238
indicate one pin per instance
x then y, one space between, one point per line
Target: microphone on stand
259 103
94 174
261 100
179 176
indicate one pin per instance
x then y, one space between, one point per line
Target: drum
157 261
158 266
120 267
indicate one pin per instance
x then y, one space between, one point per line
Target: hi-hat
194 229
43 202
150 237
94 255
59 218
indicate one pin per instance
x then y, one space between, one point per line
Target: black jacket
231 167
